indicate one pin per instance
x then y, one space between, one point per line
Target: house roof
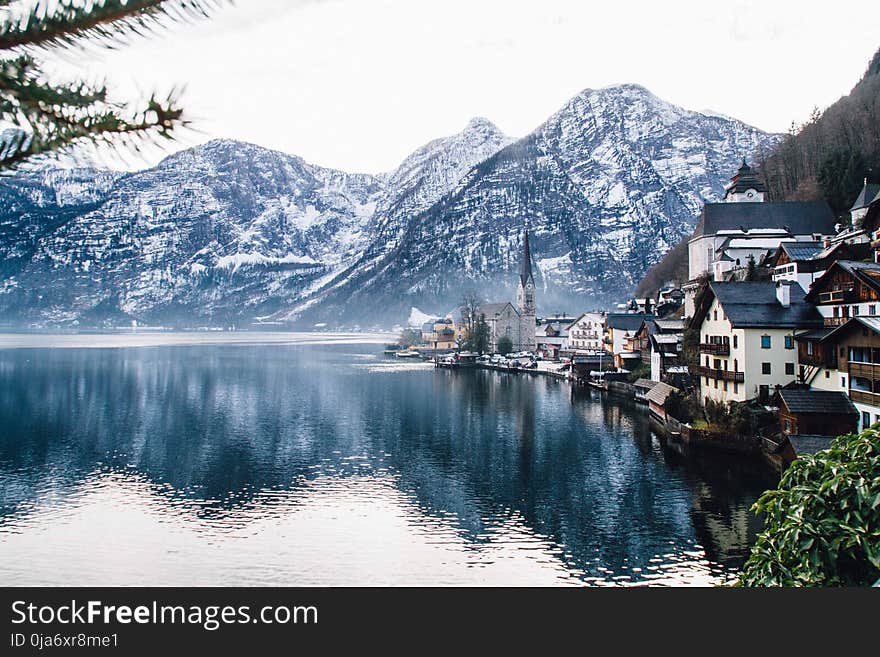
659 393
754 304
667 338
669 325
869 193
815 334
817 402
796 217
626 321
492 309
872 323
645 383
800 251
866 272
809 444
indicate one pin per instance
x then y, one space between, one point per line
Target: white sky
359 84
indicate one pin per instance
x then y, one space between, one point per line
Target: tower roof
525 272
746 178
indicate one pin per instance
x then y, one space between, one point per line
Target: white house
586 332
744 225
747 347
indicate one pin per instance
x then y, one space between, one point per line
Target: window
855 310
715 315
789 342
872 309
809 348
735 342
765 342
827 374
735 387
866 419
735 365
725 386
716 383
843 382
789 369
765 368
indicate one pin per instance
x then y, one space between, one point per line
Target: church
515 322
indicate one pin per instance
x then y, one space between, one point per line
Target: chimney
783 294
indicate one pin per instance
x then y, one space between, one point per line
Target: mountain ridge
231 232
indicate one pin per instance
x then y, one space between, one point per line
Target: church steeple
525 272
525 292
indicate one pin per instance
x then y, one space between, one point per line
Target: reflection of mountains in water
216 430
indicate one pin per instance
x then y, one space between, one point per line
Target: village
771 347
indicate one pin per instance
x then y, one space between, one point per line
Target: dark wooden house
816 412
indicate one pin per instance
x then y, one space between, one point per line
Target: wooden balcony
865 370
865 397
721 375
835 321
715 349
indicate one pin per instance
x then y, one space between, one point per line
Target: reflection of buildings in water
724 523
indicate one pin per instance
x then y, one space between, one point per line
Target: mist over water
299 464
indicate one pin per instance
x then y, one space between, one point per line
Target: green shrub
823 521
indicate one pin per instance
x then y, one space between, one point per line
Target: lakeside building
845 359
747 338
659 342
552 337
442 334
619 341
587 332
745 226
515 322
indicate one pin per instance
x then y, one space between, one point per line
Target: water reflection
328 464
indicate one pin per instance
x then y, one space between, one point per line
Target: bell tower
525 298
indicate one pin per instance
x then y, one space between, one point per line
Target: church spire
525 272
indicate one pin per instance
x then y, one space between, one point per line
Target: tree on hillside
823 521
42 117
830 154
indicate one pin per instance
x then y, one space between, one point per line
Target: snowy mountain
608 184
229 232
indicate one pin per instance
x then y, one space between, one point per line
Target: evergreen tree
38 117
751 270
479 336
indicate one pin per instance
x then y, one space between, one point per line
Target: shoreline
138 339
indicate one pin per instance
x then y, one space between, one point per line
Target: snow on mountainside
229 232
607 184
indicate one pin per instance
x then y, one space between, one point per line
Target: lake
315 460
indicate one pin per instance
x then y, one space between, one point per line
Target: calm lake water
314 464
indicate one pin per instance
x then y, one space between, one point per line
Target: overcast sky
359 84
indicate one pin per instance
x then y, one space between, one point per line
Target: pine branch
108 22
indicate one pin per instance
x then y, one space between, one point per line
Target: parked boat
407 353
